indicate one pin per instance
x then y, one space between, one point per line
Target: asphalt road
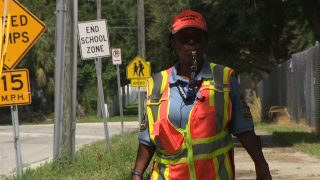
37 141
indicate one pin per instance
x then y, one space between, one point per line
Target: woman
191 111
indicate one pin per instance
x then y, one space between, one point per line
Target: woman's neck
185 70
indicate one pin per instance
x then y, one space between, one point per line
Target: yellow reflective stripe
150 121
155 172
187 137
211 98
213 88
166 172
220 151
225 116
170 161
210 139
216 167
195 158
206 82
226 97
225 75
183 146
214 153
227 164
212 65
164 81
150 87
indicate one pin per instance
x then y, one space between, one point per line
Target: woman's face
187 40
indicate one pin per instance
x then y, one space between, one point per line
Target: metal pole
74 76
59 76
120 98
103 109
141 43
139 106
141 30
99 17
16 136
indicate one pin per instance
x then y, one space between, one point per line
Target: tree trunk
66 148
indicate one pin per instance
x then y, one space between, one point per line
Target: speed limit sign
15 88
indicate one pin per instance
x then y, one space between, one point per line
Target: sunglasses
184 38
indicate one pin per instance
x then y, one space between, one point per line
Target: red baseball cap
187 18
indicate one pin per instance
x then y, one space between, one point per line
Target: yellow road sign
15 88
138 82
138 68
24 30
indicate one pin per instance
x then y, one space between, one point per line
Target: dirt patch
285 162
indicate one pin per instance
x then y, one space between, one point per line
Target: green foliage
243 34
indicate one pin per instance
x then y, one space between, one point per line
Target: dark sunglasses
184 38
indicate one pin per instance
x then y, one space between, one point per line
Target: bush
255 106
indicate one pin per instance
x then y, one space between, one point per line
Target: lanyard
192 81
189 95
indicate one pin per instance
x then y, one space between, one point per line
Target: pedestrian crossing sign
138 68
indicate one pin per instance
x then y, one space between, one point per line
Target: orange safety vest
204 150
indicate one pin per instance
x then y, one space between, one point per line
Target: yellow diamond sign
24 30
138 68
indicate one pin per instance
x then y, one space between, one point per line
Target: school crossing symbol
138 69
24 30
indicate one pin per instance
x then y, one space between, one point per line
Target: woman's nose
191 41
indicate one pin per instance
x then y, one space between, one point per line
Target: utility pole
59 75
141 49
99 60
66 144
74 76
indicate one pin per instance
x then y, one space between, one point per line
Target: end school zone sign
94 39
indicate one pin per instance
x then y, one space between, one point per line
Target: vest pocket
203 124
169 137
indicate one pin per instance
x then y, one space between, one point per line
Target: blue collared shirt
179 111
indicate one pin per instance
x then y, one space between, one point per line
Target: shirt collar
205 72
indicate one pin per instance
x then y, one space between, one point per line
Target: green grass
116 164
130 114
298 136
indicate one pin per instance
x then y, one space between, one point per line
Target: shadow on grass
283 139
297 137
131 111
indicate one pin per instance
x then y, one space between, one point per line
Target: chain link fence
294 84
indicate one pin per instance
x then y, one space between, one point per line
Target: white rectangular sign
94 39
116 56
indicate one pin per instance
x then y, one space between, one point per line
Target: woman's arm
250 142
144 156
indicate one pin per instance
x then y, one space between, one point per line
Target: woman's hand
144 156
250 143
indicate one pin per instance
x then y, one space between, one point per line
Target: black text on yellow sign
15 88
138 82
24 30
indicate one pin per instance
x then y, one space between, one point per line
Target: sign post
138 70
16 136
117 60
20 29
95 44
